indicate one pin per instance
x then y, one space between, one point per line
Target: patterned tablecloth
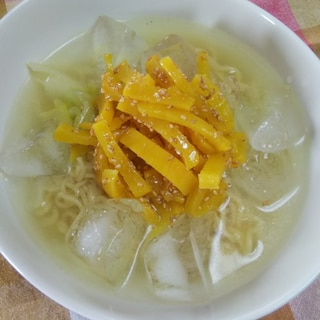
20 301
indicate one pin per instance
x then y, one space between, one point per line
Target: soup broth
266 192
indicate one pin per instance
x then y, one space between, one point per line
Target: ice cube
271 135
178 261
179 51
292 114
276 124
114 37
109 240
266 177
35 155
165 269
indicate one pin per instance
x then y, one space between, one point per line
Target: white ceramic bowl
36 28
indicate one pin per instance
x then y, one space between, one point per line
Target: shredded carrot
161 138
